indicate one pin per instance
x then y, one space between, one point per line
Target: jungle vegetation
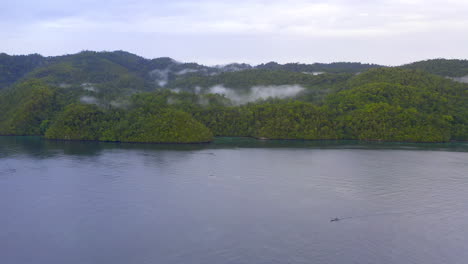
121 97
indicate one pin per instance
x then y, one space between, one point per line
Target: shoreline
258 139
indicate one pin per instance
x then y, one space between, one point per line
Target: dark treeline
119 96
443 67
94 67
335 67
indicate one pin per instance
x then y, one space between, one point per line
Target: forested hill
99 67
317 68
442 67
119 96
12 68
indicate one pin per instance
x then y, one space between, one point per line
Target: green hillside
13 68
119 96
443 67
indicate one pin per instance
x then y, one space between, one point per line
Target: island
121 97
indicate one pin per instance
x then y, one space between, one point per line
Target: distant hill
317 68
12 68
442 67
111 75
102 67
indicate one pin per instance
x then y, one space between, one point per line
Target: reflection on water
39 147
232 201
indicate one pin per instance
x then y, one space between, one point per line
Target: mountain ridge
120 96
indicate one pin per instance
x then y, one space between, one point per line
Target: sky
387 32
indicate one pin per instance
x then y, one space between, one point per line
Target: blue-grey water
234 201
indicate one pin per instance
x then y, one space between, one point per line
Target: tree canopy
118 96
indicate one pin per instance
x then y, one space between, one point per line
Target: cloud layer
252 31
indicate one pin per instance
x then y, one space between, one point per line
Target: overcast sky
388 32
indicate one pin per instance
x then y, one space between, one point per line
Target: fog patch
315 73
64 85
203 101
176 90
120 104
172 101
186 71
161 77
463 79
89 87
89 100
256 93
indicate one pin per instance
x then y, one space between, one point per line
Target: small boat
334 219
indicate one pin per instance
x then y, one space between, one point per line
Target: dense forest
118 96
443 67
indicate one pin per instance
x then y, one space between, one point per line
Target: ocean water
233 201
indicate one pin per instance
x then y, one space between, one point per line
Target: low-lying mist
256 92
237 96
463 79
161 77
89 100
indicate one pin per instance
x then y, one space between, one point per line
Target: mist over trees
119 96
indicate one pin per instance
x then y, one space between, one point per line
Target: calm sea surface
234 201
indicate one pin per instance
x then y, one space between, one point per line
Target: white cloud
331 18
239 29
